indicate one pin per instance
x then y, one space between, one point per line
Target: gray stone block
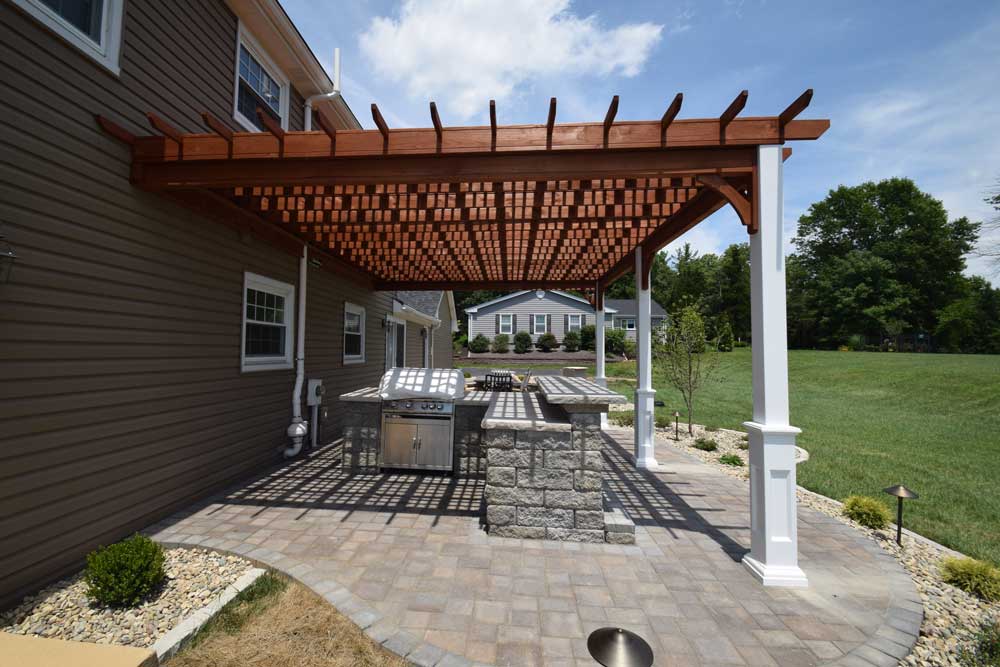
544 440
575 500
589 519
562 460
543 478
511 458
574 535
619 538
501 515
585 420
500 476
522 532
504 495
544 516
588 442
593 461
587 480
501 439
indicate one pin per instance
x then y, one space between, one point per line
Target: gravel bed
62 610
951 615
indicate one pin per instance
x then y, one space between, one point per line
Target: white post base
602 382
773 557
645 452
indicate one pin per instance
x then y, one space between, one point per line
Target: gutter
298 429
331 96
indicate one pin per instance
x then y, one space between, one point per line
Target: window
575 323
540 324
259 84
628 324
93 26
506 323
267 323
354 334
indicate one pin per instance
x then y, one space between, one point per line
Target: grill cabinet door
434 444
398 443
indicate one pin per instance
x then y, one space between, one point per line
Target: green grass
871 420
516 364
250 602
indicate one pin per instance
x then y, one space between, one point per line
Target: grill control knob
409 405
440 406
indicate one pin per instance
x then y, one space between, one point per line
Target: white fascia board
410 314
475 309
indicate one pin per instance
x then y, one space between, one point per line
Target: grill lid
443 384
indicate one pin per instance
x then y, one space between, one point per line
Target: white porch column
599 376
645 456
773 556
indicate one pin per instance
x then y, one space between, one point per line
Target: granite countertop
576 391
521 411
477 397
370 395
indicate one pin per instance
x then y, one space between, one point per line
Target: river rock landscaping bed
951 616
194 577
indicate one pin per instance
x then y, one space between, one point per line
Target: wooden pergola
548 206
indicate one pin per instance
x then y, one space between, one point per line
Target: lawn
870 420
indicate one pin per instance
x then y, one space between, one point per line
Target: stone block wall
547 484
470 454
361 446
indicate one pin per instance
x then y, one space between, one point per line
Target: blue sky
911 88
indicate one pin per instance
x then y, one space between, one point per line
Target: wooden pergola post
645 456
773 556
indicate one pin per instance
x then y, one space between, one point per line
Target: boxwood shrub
479 344
571 341
522 342
501 343
122 574
869 512
622 418
547 342
972 576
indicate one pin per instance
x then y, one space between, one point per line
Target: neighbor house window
354 334
575 323
629 324
93 26
259 85
540 324
507 324
267 323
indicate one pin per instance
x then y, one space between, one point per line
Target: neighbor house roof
626 308
505 297
427 302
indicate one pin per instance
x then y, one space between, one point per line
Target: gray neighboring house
620 314
419 329
534 311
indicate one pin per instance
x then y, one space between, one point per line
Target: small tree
571 341
522 342
725 337
688 363
588 337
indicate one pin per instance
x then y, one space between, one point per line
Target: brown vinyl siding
443 352
414 345
120 325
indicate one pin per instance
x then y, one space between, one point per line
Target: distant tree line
876 266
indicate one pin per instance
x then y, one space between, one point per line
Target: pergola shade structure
548 206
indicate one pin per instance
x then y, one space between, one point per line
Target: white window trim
534 324
625 321
579 322
510 324
357 310
107 52
244 37
389 363
286 290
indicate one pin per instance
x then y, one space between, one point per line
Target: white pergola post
645 456
773 556
599 372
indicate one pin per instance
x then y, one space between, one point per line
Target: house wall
414 345
442 352
617 322
525 305
122 398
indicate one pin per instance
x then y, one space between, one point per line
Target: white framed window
268 325
354 334
92 26
506 323
259 83
539 324
575 323
628 324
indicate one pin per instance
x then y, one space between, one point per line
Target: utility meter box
314 393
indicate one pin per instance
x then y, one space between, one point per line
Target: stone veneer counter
576 391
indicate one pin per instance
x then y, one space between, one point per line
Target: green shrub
501 343
984 649
664 422
731 460
972 576
856 343
122 574
711 429
628 348
459 343
522 342
622 418
725 340
741 343
466 374
705 445
547 342
869 512
588 337
614 341
479 344
571 341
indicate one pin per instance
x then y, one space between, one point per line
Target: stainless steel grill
418 412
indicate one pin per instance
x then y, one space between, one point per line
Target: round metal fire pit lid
617 647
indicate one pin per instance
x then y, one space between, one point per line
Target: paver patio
405 556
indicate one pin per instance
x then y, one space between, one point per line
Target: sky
911 88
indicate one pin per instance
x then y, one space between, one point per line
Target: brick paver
406 558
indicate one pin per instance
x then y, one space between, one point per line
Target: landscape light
677 425
617 647
900 492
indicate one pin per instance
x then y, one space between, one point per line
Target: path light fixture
617 647
677 425
900 492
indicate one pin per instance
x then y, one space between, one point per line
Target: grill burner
418 410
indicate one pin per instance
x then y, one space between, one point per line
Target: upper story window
354 334
506 323
540 324
575 323
259 85
93 26
267 323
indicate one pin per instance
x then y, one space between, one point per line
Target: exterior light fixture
677 425
617 647
7 259
900 492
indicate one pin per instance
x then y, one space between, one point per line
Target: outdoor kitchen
538 445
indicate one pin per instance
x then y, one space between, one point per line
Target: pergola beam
386 285
730 114
737 200
609 119
669 115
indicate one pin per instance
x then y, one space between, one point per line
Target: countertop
576 391
370 395
524 411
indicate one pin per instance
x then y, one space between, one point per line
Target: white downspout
298 429
324 96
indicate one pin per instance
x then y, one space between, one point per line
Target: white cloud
463 54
